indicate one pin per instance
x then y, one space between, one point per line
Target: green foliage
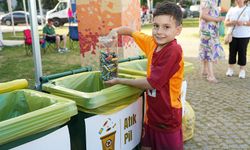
49 4
46 4
3 6
20 5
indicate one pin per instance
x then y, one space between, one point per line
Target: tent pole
35 43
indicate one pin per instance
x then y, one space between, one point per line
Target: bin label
117 131
59 139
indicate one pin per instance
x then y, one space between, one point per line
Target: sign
118 131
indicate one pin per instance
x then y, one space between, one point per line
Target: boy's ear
179 29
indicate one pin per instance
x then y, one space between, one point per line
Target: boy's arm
123 30
145 42
141 83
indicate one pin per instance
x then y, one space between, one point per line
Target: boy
52 37
162 127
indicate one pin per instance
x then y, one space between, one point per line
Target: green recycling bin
30 118
108 116
139 67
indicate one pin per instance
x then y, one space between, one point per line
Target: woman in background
210 49
238 19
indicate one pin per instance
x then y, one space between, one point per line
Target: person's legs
242 59
64 41
232 57
157 140
211 76
58 42
204 71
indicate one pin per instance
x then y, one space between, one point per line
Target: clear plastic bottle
108 57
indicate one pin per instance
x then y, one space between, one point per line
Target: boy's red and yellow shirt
165 74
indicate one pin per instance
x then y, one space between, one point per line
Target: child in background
162 126
70 16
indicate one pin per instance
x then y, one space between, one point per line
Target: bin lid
139 67
89 92
13 85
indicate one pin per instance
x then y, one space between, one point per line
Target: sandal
212 80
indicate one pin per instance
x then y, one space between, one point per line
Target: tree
19 5
3 5
49 4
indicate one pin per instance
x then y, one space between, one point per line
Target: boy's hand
112 81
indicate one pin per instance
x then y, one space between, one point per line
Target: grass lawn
14 64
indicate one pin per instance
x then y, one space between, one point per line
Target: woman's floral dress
210 47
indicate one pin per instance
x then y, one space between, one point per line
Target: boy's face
50 23
165 29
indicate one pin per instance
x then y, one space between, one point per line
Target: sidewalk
222 110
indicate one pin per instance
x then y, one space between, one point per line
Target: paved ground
222 110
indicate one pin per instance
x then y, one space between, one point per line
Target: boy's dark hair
50 20
169 8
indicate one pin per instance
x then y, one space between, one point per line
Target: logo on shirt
152 93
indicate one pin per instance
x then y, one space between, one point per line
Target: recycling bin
31 120
139 67
109 117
